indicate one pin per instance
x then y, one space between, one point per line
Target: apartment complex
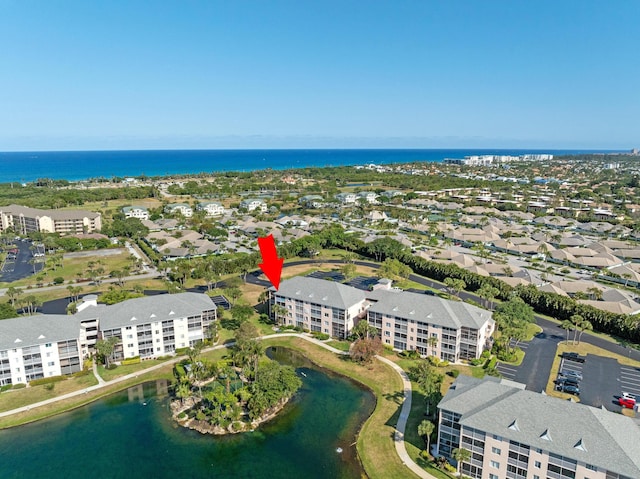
23 220
181 208
517 434
318 305
211 208
52 345
449 330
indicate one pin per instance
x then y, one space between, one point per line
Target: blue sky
370 73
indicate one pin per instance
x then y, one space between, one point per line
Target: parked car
568 388
627 402
573 357
568 381
571 374
628 396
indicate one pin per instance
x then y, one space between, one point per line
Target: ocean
79 165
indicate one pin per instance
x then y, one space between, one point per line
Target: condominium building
517 434
318 305
153 326
23 220
449 330
48 345
38 346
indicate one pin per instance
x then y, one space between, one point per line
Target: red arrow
271 265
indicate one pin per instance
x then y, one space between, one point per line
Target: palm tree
567 326
425 429
576 320
432 342
585 325
460 455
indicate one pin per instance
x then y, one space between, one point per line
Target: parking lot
16 266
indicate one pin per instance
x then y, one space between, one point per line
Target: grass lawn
532 330
72 266
109 374
338 344
22 397
519 358
375 441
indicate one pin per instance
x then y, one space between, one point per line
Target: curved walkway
400 426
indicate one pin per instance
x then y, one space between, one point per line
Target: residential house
211 208
254 204
312 201
181 208
139 212
346 198
368 196
514 433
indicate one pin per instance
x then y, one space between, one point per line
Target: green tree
363 330
7 311
241 312
460 455
429 380
455 285
365 349
13 294
425 429
105 348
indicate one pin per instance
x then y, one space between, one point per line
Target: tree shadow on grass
230 323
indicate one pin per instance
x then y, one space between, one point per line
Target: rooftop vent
133 318
152 315
412 312
580 445
395 308
325 298
429 315
42 336
546 436
171 312
18 340
514 425
298 292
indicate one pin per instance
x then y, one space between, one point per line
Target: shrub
50 386
6 387
19 386
82 372
454 373
509 357
411 354
491 363
320 336
134 360
182 415
181 351
476 362
52 379
58 280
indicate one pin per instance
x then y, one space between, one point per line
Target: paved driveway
20 267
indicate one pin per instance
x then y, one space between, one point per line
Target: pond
131 434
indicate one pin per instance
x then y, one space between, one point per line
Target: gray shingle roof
430 309
148 309
583 433
320 291
38 329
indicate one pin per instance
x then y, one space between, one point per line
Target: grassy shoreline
375 446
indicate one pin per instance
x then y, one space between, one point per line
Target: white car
628 396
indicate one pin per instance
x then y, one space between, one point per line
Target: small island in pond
234 394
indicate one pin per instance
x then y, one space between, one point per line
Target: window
128 328
158 340
536 477
591 468
538 464
495 464
496 450
129 336
130 345
48 345
493 476
52 363
388 325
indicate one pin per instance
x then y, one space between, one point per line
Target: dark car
571 374
429 292
567 381
569 388
573 357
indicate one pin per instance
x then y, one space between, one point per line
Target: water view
130 434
